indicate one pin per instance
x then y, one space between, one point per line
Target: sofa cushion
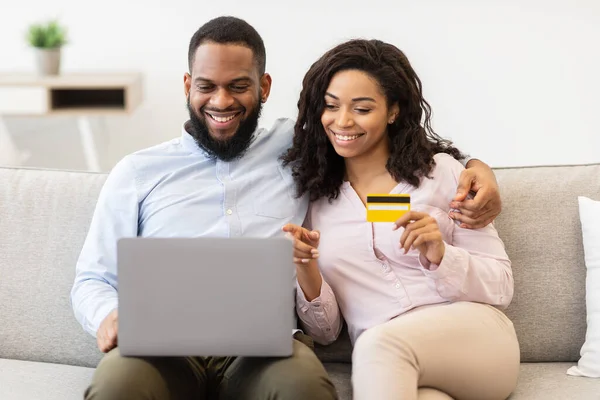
339 351
589 364
339 373
44 216
537 381
548 381
26 380
540 227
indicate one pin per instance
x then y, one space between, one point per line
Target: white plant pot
47 61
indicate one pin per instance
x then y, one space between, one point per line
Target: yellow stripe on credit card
387 207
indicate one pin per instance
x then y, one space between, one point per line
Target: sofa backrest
541 230
44 217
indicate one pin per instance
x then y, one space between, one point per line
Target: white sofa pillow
589 363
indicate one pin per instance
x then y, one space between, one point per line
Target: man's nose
221 99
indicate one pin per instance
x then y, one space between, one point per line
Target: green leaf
49 35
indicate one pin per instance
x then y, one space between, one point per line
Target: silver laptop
205 296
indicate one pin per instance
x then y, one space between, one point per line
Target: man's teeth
222 119
347 138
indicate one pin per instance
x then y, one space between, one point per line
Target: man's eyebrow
235 80
241 79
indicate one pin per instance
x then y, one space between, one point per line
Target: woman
421 296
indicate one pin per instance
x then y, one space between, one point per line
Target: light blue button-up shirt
175 190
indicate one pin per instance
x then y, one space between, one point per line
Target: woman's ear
393 113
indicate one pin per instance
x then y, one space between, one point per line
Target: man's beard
229 149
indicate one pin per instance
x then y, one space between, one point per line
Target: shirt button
229 212
397 286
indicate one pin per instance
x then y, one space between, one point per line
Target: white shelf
69 94
77 95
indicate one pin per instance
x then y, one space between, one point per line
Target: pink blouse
367 277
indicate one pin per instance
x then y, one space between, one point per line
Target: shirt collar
188 142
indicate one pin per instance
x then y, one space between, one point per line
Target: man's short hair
229 30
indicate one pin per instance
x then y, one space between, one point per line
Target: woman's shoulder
441 182
447 169
444 162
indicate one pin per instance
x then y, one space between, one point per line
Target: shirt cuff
450 268
102 313
316 303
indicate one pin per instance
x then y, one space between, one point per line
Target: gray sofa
44 217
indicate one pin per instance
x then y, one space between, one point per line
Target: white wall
511 82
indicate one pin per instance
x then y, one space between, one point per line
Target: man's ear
265 87
187 84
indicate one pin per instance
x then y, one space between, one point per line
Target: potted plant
47 40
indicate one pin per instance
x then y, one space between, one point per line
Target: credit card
387 207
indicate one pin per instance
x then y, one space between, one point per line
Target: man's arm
481 210
94 292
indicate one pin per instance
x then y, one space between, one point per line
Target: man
221 177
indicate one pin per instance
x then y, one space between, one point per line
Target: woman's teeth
347 138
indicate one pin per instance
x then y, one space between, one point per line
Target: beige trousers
460 351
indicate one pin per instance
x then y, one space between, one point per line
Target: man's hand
107 333
486 205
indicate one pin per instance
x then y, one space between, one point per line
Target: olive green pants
299 377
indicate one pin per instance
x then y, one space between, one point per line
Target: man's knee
118 377
300 377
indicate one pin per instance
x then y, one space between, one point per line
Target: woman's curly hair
316 167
